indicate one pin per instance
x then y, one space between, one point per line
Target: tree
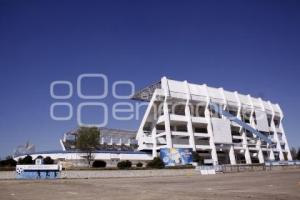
48 160
8 162
87 141
99 163
156 163
27 160
298 154
139 164
124 164
294 153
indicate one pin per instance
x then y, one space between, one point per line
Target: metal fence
252 167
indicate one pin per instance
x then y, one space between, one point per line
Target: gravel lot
251 185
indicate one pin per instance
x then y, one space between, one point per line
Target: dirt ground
252 185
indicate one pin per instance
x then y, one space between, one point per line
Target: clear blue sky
249 46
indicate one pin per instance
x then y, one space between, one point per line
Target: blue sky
249 46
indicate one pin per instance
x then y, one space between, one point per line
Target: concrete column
167 124
165 87
65 137
247 153
258 142
260 153
271 157
214 155
154 148
278 147
232 156
128 141
264 109
260 156
281 157
189 118
287 148
244 138
231 150
190 127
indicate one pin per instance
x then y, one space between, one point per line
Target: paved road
252 185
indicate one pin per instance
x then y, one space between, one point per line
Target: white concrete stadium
115 145
222 126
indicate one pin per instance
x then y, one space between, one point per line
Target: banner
176 156
38 171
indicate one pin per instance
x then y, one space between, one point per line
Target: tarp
221 130
262 121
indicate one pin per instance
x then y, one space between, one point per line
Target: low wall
126 173
7 175
73 174
256 167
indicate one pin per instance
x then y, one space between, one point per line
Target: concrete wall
114 173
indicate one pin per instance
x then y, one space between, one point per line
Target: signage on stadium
176 156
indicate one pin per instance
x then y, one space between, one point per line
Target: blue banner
37 171
176 156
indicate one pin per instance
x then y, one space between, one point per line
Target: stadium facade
223 127
114 146
110 139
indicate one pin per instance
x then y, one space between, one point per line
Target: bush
8 162
99 163
26 160
156 163
139 164
124 164
298 154
48 161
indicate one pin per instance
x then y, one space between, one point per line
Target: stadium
223 127
114 146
